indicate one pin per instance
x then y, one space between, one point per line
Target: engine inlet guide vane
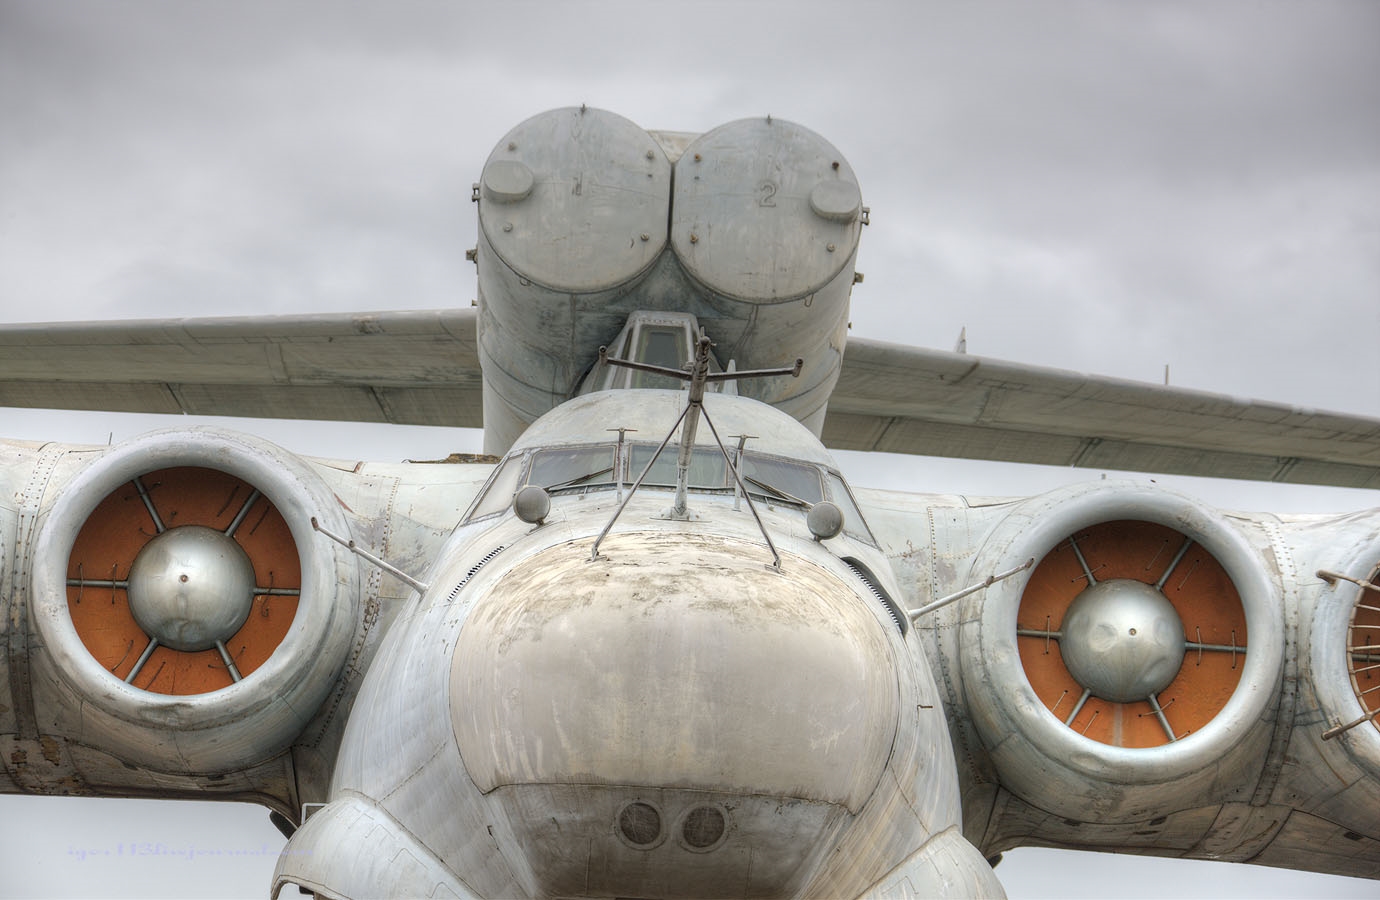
1362 653
698 375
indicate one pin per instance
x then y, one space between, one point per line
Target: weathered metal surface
386 862
767 211
648 414
563 266
13 646
1289 791
946 866
206 731
1122 640
417 368
913 400
1037 753
191 588
423 368
684 635
31 482
574 201
87 754
565 689
1309 803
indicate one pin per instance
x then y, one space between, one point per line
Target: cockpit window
775 479
572 467
658 345
853 524
707 467
663 339
781 479
502 485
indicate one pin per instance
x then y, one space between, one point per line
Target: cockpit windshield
774 479
707 468
498 494
781 479
572 467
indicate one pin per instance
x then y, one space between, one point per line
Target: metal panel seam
1286 708
385 408
18 660
176 391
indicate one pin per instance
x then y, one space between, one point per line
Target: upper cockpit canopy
665 339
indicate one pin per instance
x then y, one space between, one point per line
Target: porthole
638 825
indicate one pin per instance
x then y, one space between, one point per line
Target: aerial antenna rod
698 374
959 595
420 587
1333 577
699 377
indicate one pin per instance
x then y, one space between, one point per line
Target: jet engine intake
1344 660
1144 647
184 599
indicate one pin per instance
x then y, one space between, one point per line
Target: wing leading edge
422 368
411 368
900 399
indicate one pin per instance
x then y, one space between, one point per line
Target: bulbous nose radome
679 661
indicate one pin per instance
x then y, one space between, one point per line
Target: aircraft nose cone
680 662
191 587
675 720
1123 640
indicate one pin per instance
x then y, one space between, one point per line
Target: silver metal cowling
1058 769
1354 754
249 720
677 704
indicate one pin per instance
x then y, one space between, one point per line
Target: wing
412 368
1164 679
114 684
422 368
909 400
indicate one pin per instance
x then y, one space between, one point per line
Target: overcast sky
1106 187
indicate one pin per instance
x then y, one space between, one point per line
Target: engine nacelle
1144 647
577 210
191 619
1342 648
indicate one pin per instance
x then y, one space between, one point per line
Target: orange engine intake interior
1199 589
118 529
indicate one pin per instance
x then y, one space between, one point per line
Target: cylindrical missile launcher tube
765 221
576 209
572 215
